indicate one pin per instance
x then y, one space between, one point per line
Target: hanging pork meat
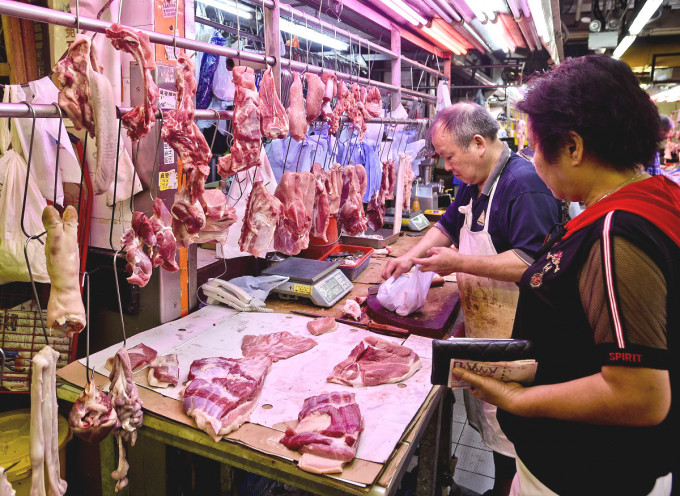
351 217
139 120
330 81
259 222
274 121
245 152
92 416
297 116
65 310
296 191
87 98
316 90
322 206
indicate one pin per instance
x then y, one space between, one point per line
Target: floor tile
475 460
470 437
475 482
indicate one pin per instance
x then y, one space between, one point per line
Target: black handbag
478 349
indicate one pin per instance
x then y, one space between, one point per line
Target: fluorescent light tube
643 16
538 15
243 11
405 11
626 42
311 35
443 40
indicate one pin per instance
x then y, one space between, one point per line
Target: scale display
319 281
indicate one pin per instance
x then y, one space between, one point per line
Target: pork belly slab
375 361
222 392
277 345
327 432
164 371
259 222
322 325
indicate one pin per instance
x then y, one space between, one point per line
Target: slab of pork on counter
164 371
128 406
327 432
222 392
65 309
276 346
351 216
92 416
139 356
259 222
322 325
296 191
87 98
140 119
297 115
44 443
274 119
376 361
245 152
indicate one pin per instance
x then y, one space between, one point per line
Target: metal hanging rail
418 65
50 16
21 110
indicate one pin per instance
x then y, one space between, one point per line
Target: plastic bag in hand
407 293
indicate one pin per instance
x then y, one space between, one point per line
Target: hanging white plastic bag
407 293
223 82
443 96
12 239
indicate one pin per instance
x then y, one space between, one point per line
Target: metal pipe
315 21
482 86
227 29
20 110
514 8
522 23
422 67
440 12
301 66
443 4
50 16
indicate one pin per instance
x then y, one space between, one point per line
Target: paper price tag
169 9
302 289
168 154
167 180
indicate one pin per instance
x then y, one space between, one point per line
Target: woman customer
601 304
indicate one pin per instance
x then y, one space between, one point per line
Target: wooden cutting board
433 320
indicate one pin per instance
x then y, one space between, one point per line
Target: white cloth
489 310
525 484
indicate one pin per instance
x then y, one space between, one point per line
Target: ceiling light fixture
643 16
538 16
625 43
311 35
226 6
405 11
436 34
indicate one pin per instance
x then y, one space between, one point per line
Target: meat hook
35 291
82 172
115 186
77 16
120 306
134 176
56 168
28 169
86 275
238 33
154 171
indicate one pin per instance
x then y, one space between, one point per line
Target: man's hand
502 394
397 266
441 260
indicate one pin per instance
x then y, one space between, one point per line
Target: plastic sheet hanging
209 63
13 172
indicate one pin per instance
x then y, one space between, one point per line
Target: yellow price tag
302 289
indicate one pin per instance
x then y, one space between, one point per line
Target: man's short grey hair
667 124
463 121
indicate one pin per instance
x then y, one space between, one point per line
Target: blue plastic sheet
209 63
287 155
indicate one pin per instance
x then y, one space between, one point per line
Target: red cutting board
433 320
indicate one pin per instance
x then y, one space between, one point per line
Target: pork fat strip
389 179
376 361
245 152
276 346
406 169
44 448
351 217
65 310
316 90
274 121
334 188
259 222
330 81
92 416
164 371
181 132
222 392
139 120
327 433
5 486
87 98
296 192
163 252
297 115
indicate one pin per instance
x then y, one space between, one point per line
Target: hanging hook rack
33 287
28 167
56 168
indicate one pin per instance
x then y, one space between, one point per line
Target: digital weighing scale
320 281
414 221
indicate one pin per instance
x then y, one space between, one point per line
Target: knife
385 329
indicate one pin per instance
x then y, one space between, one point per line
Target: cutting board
433 320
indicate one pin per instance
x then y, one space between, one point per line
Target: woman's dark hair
600 99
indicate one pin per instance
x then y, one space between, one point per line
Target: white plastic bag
443 96
223 82
407 293
12 239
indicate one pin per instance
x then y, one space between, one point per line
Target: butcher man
488 236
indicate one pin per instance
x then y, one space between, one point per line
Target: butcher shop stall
197 202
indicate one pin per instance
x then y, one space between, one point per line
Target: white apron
489 310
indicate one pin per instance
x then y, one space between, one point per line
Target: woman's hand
504 395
